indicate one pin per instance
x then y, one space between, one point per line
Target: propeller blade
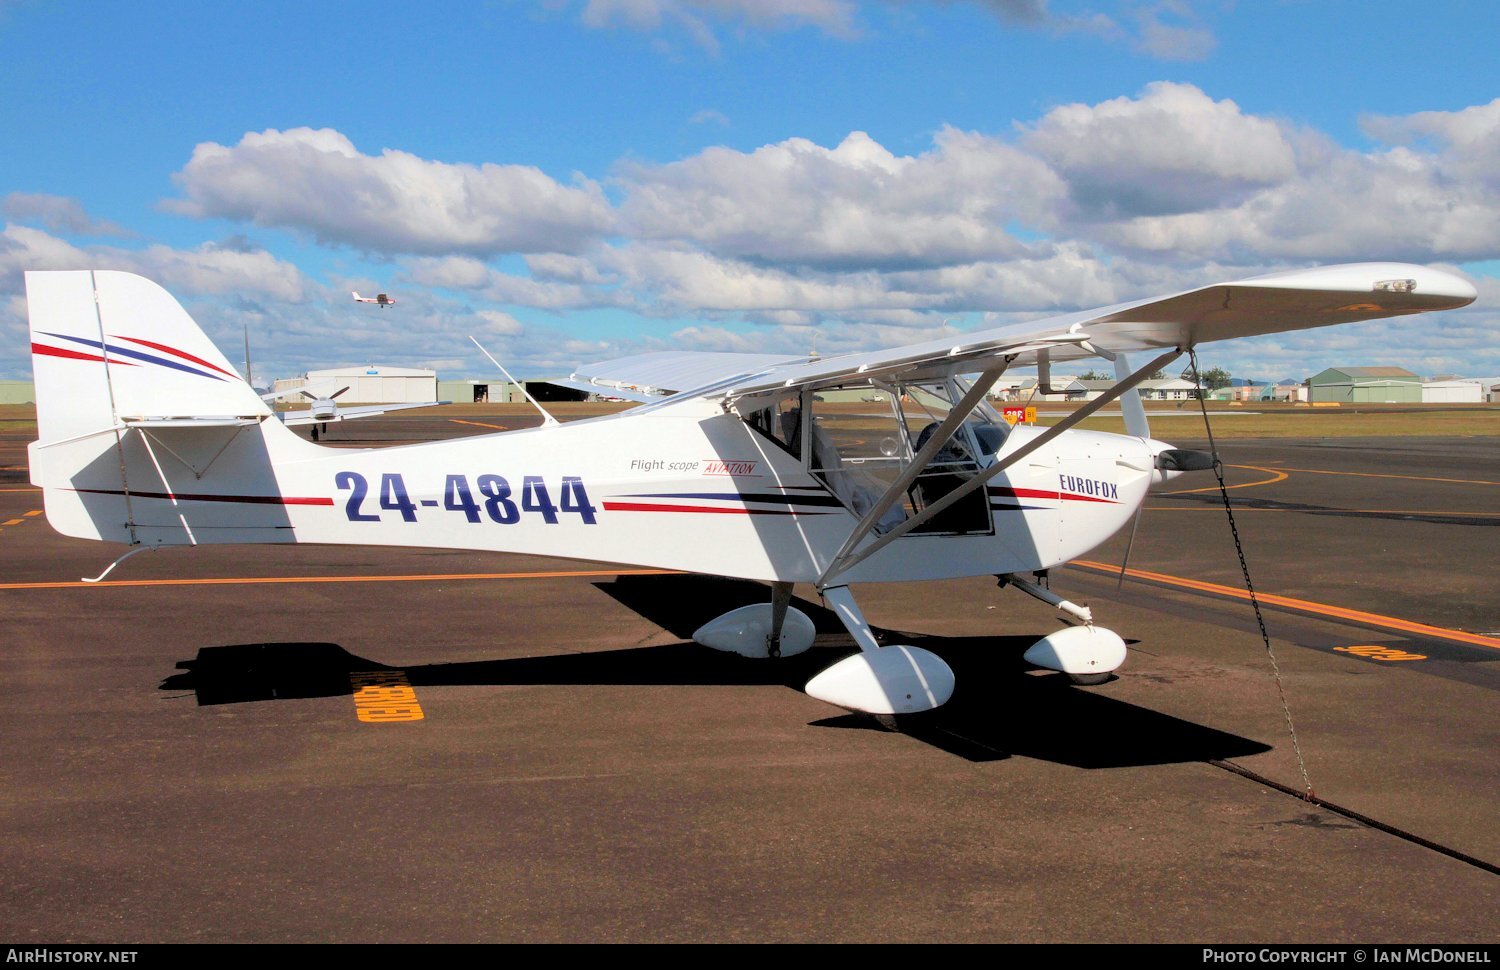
310 397
1183 460
338 392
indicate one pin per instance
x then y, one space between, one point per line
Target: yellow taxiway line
1409 478
1276 476
480 424
1304 606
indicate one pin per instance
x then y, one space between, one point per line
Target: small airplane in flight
736 465
380 299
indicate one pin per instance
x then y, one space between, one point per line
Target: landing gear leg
781 598
1080 613
880 680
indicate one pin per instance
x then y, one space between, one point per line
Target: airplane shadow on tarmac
1002 706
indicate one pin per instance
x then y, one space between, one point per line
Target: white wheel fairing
744 631
891 680
1084 651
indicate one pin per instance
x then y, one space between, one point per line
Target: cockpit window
782 423
862 438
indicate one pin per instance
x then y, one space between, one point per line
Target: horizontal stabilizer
204 422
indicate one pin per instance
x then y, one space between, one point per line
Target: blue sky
572 181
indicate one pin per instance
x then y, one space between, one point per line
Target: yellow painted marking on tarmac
384 697
33 512
12 522
259 580
1409 478
1277 476
1305 606
1389 654
480 424
20 490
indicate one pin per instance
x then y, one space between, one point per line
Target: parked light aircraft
325 408
733 465
379 299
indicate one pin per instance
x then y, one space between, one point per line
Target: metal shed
1365 385
1453 392
376 384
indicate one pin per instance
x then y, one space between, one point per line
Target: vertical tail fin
108 346
135 407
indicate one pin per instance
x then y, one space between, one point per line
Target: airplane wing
1293 300
653 376
624 393
349 414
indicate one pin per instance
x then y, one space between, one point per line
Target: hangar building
373 384
1453 392
1365 385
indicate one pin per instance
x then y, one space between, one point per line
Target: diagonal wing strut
935 443
850 558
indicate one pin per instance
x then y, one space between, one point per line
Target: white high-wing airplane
380 299
147 436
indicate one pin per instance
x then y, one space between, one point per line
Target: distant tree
1159 375
1213 378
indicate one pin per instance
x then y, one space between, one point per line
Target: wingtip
1435 288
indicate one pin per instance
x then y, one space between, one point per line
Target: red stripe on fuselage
201 497
1042 493
657 507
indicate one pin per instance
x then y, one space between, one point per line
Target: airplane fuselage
685 486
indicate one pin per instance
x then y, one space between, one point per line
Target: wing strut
848 560
1130 402
546 418
939 438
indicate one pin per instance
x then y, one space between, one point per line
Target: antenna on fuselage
546 418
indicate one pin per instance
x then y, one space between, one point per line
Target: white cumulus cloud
315 180
1172 149
852 206
57 213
